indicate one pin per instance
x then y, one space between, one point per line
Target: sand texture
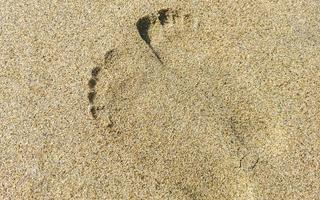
169 100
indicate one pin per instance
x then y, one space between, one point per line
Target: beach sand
160 100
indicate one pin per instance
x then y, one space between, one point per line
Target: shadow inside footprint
143 26
154 26
163 16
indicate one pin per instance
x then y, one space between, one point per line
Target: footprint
165 124
95 83
163 28
92 92
168 119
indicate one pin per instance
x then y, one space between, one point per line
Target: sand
160 100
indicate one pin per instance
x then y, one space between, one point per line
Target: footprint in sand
168 117
164 30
